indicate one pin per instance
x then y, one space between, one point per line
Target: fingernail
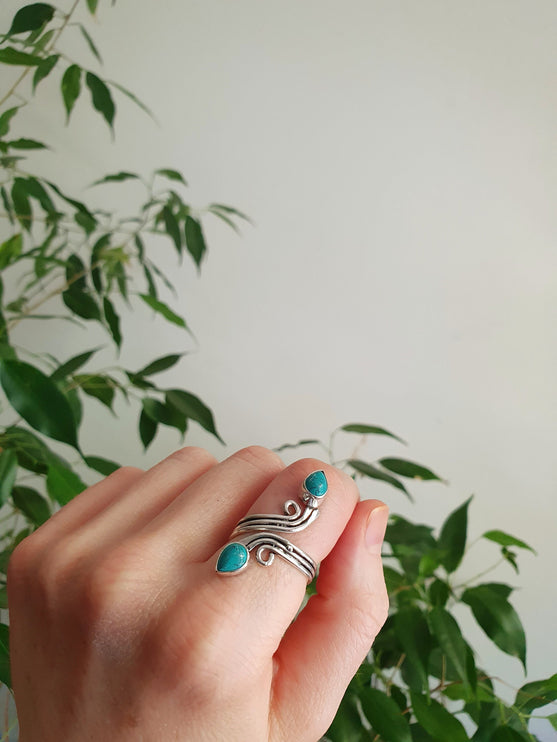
375 528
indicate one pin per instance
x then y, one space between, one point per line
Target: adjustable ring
257 533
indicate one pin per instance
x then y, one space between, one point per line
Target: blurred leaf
147 429
103 466
8 473
32 453
439 723
230 210
72 364
195 241
63 484
10 250
31 17
9 55
369 430
36 190
510 557
439 592
165 414
72 201
347 725
44 69
113 321
5 676
38 400
85 222
72 396
371 471
498 619
23 143
31 504
21 204
5 119
552 719
160 364
102 99
97 386
116 178
90 42
6 204
92 5
499 537
71 88
408 469
171 174
172 228
303 442
452 539
385 716
133 98
447 632
193 408
536 694
507 734
162 308
413 633
81 303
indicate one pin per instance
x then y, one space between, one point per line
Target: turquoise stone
316 484
232 558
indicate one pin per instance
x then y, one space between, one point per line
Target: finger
324 647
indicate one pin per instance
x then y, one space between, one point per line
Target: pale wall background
399 162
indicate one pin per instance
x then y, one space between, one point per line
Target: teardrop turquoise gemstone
232 558
316 484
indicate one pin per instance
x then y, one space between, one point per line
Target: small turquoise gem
316 484
232 558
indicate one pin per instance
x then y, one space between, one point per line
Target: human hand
121 629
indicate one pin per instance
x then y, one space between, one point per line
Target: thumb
323 648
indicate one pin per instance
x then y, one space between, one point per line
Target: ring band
258 533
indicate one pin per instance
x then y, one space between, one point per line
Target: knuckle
261 458
190 454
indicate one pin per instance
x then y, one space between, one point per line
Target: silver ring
258 533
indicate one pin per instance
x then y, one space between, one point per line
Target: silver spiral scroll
266 545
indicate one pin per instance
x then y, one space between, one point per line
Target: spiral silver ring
258 533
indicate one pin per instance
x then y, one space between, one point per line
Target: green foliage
422 680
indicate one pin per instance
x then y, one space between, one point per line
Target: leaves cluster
422 680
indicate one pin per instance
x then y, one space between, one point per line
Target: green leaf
536 694
160 364
165 414
499 537
38 400
101 97
63 484
413 634
5 119
9 55
133 98
498 619
5 675
162 308
32 453
369 430
31 17
92 5
8 473
44 69
508 734
371 471
452 539
99 387
36 190
21 203
81 303
439 592
85 222
552 719
90 42
303 442
229 210
23 143
96 261
385 716
10 250
76 204
439 723
103 466
71 88
195 241
147 429
72 364
447 632
117 178
172 228
31 504
113 321
193 408
347 725
408 469
171 174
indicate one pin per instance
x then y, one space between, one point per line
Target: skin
121 629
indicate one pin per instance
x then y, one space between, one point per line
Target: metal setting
258 534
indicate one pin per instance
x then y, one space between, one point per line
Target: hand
122 630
